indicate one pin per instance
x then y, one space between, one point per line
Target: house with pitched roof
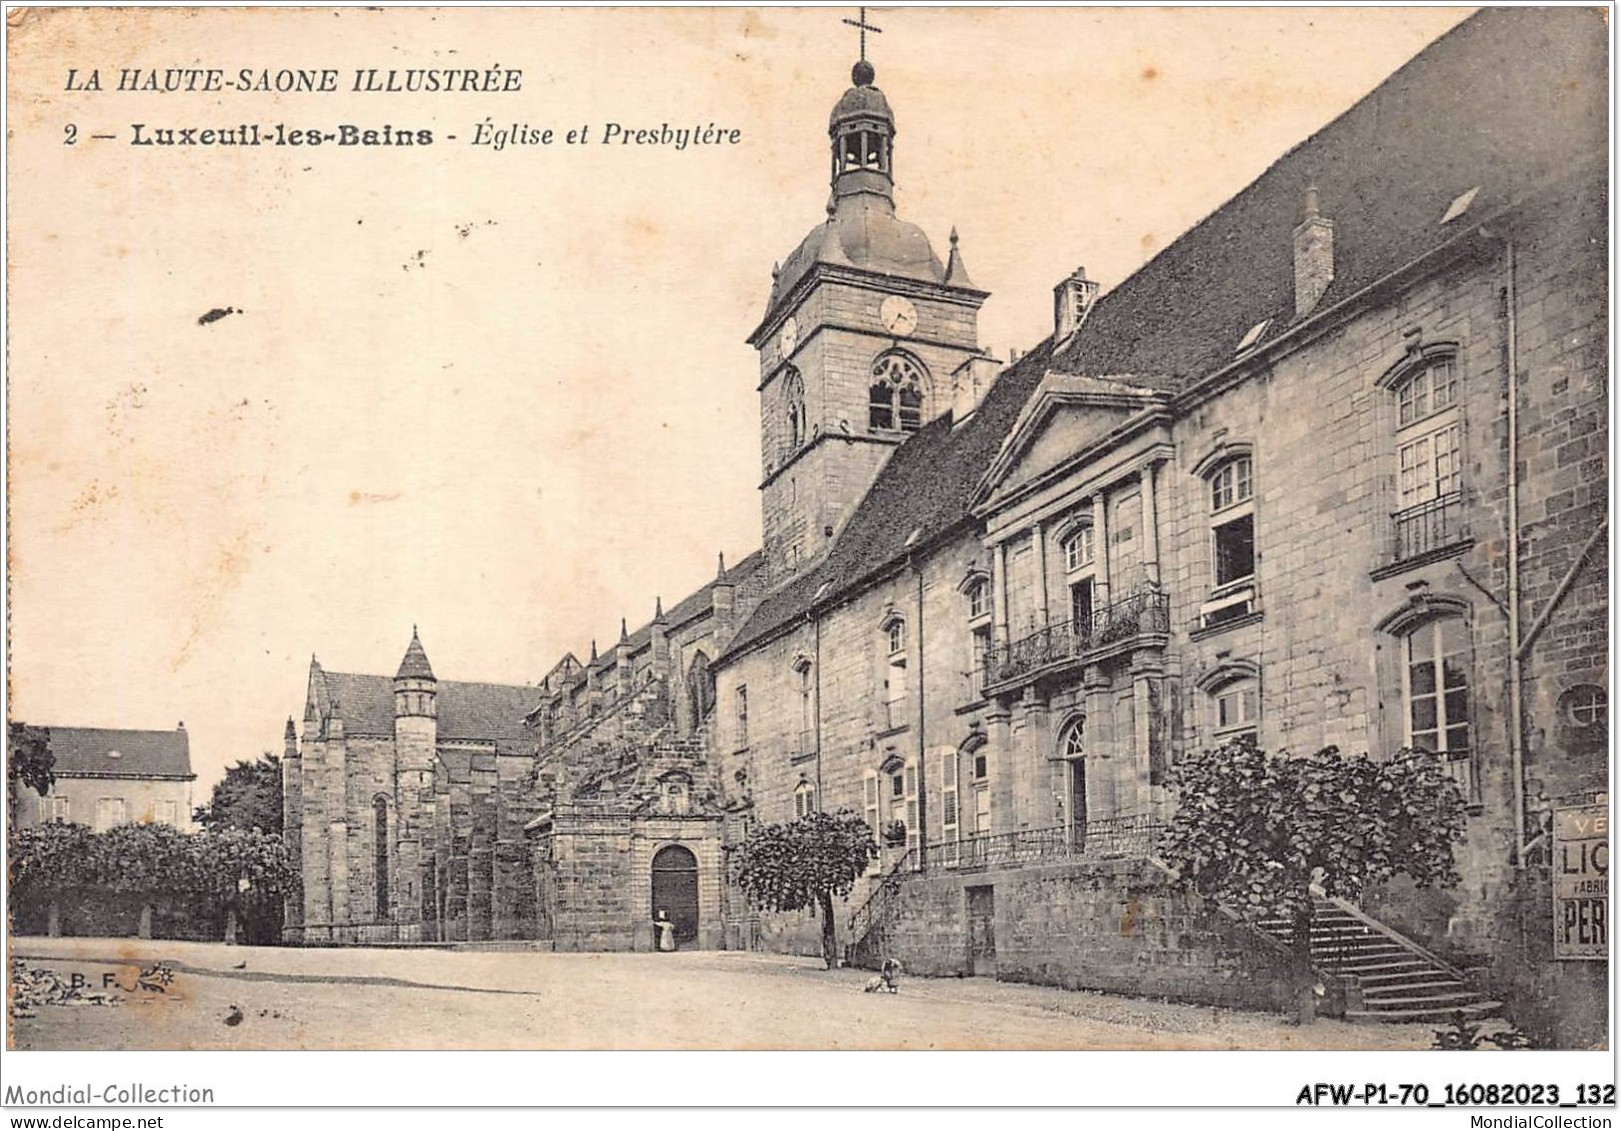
107 777
1328 470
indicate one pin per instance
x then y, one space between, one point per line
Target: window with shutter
949 822
869 794
913 837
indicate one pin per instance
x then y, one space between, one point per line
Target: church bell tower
863 331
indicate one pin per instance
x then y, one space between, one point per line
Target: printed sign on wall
1581 882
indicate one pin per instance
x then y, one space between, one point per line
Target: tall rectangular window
949 816
870 809
807 710
1436 687
1232 521
110 813
1429 460
895 675
380 855
742 718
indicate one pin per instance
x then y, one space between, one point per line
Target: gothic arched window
700 688
380 854
897 400
793 409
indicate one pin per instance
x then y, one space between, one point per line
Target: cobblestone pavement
271 998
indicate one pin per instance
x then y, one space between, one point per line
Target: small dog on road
888 979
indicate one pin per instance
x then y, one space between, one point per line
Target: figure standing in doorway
665 931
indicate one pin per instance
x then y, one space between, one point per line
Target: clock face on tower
898 315
788 341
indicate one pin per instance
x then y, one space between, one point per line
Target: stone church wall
594 877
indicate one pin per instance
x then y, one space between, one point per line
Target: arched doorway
675 889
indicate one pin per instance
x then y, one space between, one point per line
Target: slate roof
925 487
415 664
1505 100
89 752
684 610
863 232
468 712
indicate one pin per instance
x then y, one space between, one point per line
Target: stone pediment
1066 415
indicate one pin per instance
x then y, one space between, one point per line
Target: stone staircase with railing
1384 976
868 945
1396 979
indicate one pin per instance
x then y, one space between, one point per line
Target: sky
505 396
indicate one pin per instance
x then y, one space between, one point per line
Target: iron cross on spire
865 28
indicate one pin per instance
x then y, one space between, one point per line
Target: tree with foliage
29 762
247 798
246 871
805 863
1254 831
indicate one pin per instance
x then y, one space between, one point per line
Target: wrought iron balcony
1111 838
1144 613
1428 526
898 713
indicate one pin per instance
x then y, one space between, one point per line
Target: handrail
1147 611
1126 836
1389 932
886 883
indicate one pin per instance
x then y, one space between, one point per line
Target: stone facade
1329 470
1112 926
1385 468
621 782
404 804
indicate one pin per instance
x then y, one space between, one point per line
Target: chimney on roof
1314 256
972 379
1072 301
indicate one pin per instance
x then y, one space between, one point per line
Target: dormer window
1253 335
897 397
